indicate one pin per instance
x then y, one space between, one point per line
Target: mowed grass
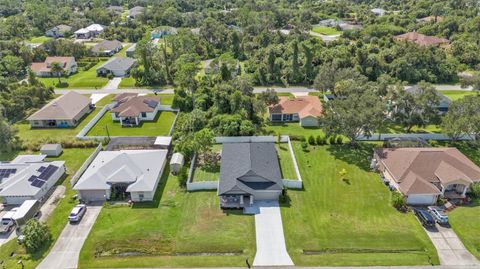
465 221
30 135
203 173
455 95
286 161
160 126
73 158
81 80
127 82
324 30
40 39
178 229
351 222
292 129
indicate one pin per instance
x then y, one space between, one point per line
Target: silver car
77 213
438 214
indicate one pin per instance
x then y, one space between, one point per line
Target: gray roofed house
135 11
444 101
249 172
117 10
58 31
117 66
107 47
130 52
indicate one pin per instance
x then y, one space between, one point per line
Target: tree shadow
358 155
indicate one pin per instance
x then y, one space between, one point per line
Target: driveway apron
271 249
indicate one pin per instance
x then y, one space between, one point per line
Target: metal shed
176 163
51 149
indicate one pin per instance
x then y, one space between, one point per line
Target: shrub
319 139
311 140
304 145
296 137
62 84
475 190
398 201
331 140
36 235
110 76
183 177
433 143
303 139
339 140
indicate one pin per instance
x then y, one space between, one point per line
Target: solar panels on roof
32 178
4 173
151 103
38 183
48 172
41 169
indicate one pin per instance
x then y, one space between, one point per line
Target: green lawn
158 127
455 95
324 30
393 128
41 135
40 39
123 51
83 79
128 82
286 162
202 173
465 220
292 128
73 158
348 222
172 231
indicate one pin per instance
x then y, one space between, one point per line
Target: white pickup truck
7 222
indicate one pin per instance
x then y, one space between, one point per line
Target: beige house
131 109
63 112
44 69
305 110
424 174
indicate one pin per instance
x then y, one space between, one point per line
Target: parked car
438 214
7 222
424 217
77 213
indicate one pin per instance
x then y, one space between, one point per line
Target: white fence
244 139
377 137
294 184
202 185
90 124
85 165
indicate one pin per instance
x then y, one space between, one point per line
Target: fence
85 165
294 184
380 137
196 186
244 139
90 124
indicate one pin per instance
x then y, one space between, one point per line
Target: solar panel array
4 173
45 174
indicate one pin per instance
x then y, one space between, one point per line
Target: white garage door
92 195
421 199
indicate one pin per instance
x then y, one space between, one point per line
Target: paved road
66 251
450 249
271 249
316 267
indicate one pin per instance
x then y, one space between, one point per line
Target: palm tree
57 69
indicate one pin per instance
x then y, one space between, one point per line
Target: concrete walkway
450 249
271 249
112 84
66 251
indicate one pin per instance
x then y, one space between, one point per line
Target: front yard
178 229
158 127
465 221
83 79
348 222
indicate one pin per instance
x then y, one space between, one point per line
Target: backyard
160 126
83 79
286 162
204 172
292 129
348 222
455 95
465 221
73 158
178 229
324 30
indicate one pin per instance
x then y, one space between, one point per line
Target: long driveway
66 251
271 249
450 249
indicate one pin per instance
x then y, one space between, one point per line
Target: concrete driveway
271 249
113 83
450 249
66 251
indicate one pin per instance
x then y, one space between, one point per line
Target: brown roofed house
44 69
305 109
131 109
63 112
424 174
422 40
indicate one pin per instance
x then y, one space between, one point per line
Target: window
276 117
140 196
144 114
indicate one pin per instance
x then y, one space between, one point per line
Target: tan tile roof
45 66
434 165
131 105
422 40
413 184
65 107
305 106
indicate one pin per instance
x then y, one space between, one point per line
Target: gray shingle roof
118 63
246 160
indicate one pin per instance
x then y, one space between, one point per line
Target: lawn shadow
158 193
357 155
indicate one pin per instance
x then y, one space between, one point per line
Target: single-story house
431 19
336 23
249 172
63 112
90 31
379 12
135 11
124 174
444 104
28 177
422 40
115 10
107 47
305 109
44 69
424 174
58 31
51 149
162 31
117 66
131 109
130 52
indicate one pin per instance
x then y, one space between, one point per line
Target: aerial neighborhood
189 134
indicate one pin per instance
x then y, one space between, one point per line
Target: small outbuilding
53 150
176 163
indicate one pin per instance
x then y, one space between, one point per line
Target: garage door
419 199
92 195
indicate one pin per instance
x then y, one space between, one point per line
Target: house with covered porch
249 172
131 109
424 174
